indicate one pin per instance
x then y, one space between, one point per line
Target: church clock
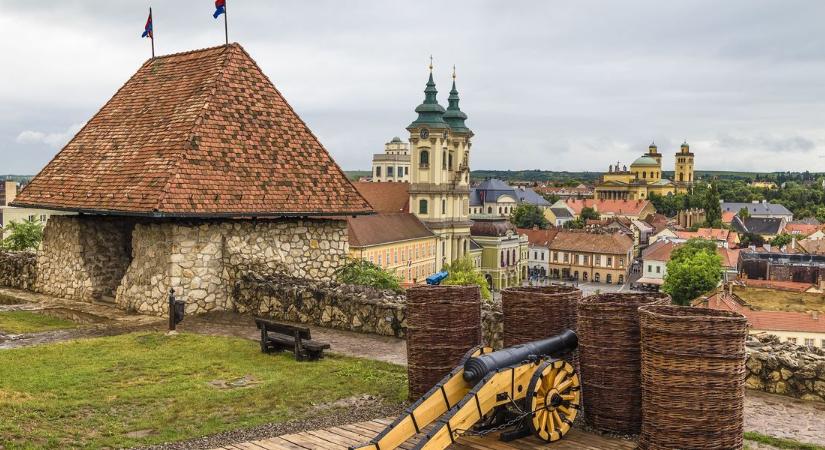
425 133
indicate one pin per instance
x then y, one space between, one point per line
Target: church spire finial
453 73
431 63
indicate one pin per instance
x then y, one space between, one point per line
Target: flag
220 8
147 30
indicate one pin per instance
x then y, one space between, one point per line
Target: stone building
591 256
196 172
393 164
504 252
645 177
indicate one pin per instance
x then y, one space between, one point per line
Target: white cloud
56 140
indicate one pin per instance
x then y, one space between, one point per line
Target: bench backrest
282 328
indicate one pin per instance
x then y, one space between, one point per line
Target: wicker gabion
443 323
693 372
610 359
533 313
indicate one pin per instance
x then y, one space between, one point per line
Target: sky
553 85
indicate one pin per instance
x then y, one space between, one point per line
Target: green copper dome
430 112
454 116
645 161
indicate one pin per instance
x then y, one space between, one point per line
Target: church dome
496 227
645 161
396 140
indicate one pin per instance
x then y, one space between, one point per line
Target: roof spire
454 116
431 63
429 112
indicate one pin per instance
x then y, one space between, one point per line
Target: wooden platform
340 438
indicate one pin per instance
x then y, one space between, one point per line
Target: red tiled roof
801 228
768 320
716 234
541 238
730 256
196 134
813 246
582 241
385 197
619 207
779 285
727 216
385 228
659 251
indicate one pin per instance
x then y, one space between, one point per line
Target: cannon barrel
478 367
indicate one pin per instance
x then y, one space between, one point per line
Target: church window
444 160
443 206
424 159
450 161
681 176
422 206
489 210
644 174
499 209
390 171
378 172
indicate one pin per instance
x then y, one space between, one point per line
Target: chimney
815 315
11 191
793 243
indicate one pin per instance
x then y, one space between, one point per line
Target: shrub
365 273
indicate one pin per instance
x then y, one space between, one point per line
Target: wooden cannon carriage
525 387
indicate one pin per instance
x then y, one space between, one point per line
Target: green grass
19 322
777 300
90 393
788 444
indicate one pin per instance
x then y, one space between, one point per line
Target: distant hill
354 175
17 178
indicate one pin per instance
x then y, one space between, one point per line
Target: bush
463 273
25 235
365 273
528 216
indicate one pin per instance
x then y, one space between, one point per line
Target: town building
564 192
767 227
645 177
631 209
779 266
393 164
689 218
538 258
440 172
9 214
658 254
496 197
591 256
756 209
560 215
194 174
504 252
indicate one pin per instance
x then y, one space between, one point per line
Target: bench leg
264 339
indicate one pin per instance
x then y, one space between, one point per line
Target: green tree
713 209
551 197
691 273
782 239
743 213
365 273
462 272
21 236
692 247
588 213
748 239
528 216
575 224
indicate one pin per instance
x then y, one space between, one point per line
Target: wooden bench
276 337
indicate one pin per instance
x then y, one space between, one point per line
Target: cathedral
645 177
440 172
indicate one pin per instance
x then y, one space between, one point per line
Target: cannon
527 388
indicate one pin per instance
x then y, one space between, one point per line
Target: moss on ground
19 322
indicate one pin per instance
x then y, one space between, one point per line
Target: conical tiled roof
197 134
454 116
429 112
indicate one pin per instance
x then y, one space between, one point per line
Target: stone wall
345 307
202 260
83 257
18 269
785 368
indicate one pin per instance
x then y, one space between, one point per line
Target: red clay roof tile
201 133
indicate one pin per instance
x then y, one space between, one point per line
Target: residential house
560 215
723 237
631 209
658 254
767 227
757 209
496 197
804 228
591 256
504 252
538 258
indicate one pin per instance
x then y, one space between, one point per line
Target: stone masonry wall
785 368
346 307
83 257
202 260
18 269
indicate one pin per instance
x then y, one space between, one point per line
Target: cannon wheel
554 396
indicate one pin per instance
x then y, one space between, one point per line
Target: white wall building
394 164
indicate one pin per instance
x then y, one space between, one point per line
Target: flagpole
152 34
225 24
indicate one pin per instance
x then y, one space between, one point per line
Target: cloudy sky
555 85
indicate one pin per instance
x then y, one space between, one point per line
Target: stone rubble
785 368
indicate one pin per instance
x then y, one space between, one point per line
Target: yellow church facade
644 177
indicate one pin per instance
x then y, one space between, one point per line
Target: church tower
653 152
440 172
684 165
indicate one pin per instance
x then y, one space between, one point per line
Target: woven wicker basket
533 313
443 323
693 372
610 359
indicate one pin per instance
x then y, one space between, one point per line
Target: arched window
450 161
644 174
499 209
422 206
444 160
489 210
609 278
443 206
424 158
597 277
681 176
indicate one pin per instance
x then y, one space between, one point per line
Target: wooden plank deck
340 438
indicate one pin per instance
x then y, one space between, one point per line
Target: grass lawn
19 322
779 442
91 393
776 300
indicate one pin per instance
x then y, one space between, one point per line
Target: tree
588 213
462 272
692 247
365 273
551 197
743 213
692 272
748 239
781 240
713 209
528 216
21 236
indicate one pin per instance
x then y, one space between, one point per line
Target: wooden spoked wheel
554 395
